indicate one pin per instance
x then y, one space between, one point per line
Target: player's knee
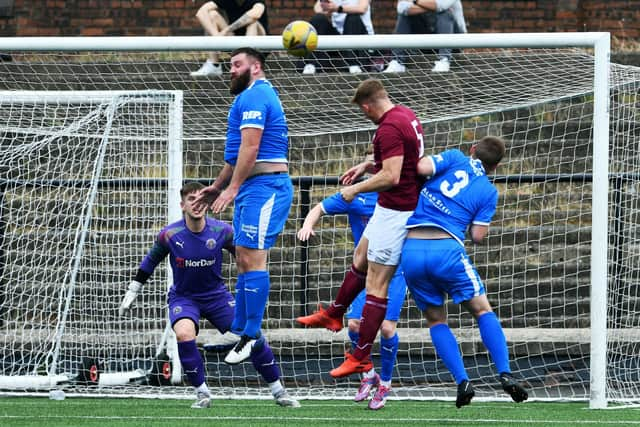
353 325
480 312
184 335
388 329
185 330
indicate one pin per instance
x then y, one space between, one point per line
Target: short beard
240 83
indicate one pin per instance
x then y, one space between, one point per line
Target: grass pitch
87 412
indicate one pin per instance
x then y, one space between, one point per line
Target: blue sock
493 338
448 350
264 361
388 352
239 314
256 293
191 362
353 336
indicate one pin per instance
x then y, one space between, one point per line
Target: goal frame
174 98
598 41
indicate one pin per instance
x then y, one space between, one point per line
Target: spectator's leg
212 22
323 27
403 26
445 24
255 29
353 26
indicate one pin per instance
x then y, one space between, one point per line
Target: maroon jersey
399 133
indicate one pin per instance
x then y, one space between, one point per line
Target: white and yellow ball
299 38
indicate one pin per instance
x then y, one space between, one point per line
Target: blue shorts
397 292
434 268
261 210
218 310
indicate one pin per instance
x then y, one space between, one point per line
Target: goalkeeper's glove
130 297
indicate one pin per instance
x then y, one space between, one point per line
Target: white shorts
386 233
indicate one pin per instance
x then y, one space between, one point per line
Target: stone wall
176 17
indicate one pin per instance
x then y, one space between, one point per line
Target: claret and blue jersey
258 106
196 258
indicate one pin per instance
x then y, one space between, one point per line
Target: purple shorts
217 309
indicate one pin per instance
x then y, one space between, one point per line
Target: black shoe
511 387
465 394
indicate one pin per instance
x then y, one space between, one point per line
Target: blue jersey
196 258
457 195
359 210
258 106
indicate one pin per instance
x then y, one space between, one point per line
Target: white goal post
550 94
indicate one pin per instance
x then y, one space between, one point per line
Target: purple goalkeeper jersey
196 258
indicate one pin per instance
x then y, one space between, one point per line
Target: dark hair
254 53
190 187
369 90
490 150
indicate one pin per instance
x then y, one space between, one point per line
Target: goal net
73 231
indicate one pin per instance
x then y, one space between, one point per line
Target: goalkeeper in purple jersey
457 197
194 246
358 211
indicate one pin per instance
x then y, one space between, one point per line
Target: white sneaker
208 69
283 399
395 67
202 401
309 69
441 66
241 351
355 69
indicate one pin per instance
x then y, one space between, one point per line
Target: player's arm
383 180
478 233
426 166
310 221
249 17
247 155
157 253
352 175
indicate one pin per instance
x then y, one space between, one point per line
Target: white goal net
65 267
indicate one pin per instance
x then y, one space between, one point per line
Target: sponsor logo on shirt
194 263
252 115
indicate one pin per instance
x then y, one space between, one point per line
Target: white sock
387 384
276 387
202 388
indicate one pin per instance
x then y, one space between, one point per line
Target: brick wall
176 17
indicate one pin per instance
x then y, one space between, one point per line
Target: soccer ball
299 38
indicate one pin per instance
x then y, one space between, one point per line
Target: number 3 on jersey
450 190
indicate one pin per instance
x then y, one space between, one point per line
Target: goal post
556 99
57 143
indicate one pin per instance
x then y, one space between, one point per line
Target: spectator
415 17
335 17
246 17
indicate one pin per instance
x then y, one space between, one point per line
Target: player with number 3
457 197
